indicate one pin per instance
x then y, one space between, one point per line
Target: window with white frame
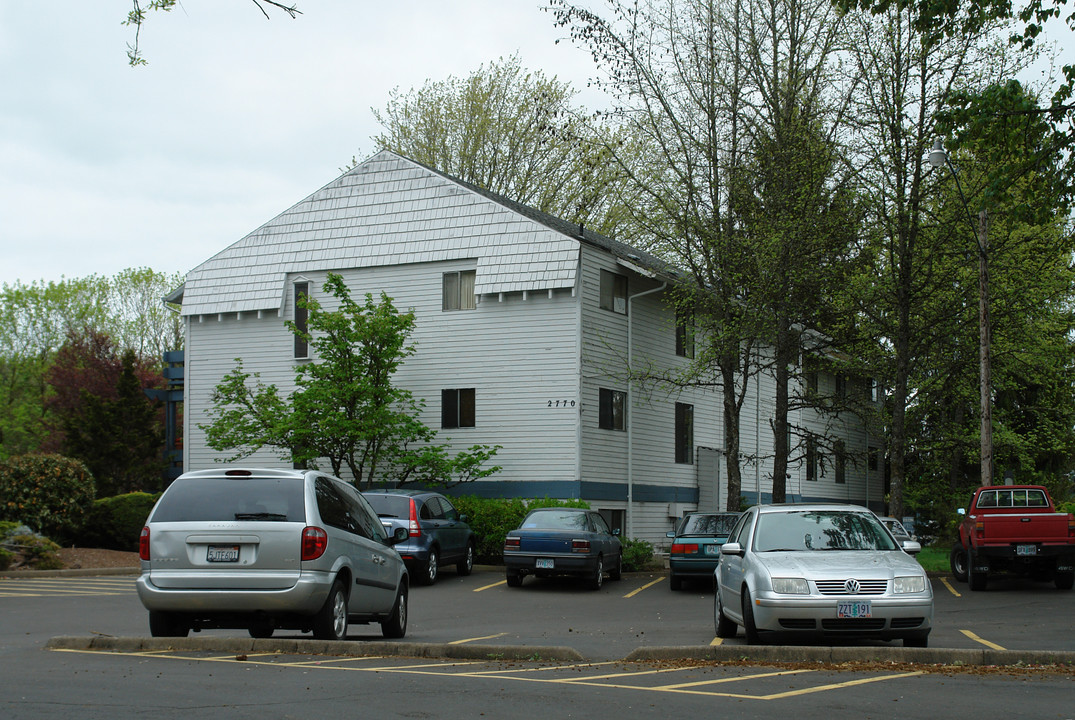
459 290
457 408
613 292
684 433
684 333
612 409
302 316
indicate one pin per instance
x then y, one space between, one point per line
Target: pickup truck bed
1014 529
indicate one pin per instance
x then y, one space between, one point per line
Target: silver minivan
265 549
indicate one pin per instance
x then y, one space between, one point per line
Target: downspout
630 408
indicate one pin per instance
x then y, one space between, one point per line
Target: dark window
614 519
459 290
684 333
684 433
613 292
457 408
840 460
219 499
302 315
872 458
841 386
612 410
330 505
811 459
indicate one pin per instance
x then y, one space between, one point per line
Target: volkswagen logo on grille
852 586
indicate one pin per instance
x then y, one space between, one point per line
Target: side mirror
911 547
462 518
670 534
399 535
731 549
961 511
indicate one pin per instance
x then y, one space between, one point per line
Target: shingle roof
391 210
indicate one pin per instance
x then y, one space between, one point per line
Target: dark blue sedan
696 545
563 541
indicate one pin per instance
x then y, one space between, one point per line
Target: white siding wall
521 356
651 413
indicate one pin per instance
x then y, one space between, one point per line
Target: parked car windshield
820 530
224 499
556 520
718 525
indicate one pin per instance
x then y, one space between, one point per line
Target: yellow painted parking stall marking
950 588
476 639
609 681
65 587
977 639
486 587
644 587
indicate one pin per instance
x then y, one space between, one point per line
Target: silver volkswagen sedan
830 571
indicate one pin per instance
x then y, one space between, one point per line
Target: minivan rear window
230 499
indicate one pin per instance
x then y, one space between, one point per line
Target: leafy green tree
516 133
345 407
119 438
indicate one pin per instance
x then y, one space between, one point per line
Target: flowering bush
50 493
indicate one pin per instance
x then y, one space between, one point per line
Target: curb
346 648
758 654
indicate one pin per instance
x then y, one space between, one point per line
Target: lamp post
938 157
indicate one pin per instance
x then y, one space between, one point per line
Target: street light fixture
938 157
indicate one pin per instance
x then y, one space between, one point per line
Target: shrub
6 558
637 554
31 549
114 523
50 493
492 518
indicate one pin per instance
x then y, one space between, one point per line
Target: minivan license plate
861 609
223 553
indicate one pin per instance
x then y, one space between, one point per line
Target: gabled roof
390 210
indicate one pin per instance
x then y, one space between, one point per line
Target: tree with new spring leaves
345 407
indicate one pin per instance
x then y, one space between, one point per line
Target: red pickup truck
1015 529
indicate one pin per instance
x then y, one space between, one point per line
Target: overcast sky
235 119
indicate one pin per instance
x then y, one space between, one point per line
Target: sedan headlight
909 584
791 586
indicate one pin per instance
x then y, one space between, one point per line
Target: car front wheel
748 619
396 624
724 627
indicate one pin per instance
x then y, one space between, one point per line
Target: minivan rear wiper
260 516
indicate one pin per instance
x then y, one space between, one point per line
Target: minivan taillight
414 529
314 543
143 544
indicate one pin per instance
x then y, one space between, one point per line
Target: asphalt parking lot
637 617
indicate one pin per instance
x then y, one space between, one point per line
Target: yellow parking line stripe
716 641
975 638
950 588
543 669
718 681
837 686
502 582
475 639
636 673
647 585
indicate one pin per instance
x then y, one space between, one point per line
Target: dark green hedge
492 518
115 523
